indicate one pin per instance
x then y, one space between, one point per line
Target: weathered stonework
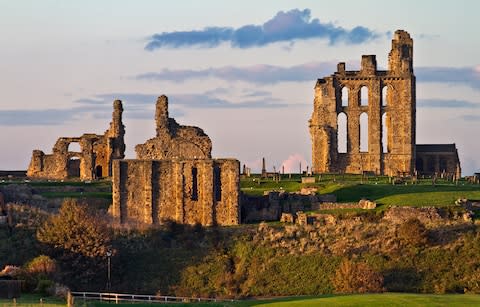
399 108
174 140
175 179
93 161
187 191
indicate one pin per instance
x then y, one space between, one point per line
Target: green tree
79 240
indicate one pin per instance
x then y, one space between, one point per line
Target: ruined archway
363 132
345 96
363 96
342 142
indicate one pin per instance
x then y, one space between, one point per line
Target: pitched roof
436 148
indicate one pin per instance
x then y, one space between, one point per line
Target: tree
352 277
75 229
79 240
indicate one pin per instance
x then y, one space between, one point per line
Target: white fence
119 297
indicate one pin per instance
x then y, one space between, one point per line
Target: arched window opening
345 96
99 171
342 133
384 95
74 147
363 96
385 130
364 132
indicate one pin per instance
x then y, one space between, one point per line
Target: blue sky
243 71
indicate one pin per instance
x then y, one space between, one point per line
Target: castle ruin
174 178
385 102
94 160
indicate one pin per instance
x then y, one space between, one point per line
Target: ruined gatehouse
384 100
174 178
94 160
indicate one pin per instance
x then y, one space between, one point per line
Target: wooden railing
122 297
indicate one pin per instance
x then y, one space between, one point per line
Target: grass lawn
385 299
352 188
27 300
104 195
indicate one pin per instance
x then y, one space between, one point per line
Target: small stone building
440 159
174 178
94 160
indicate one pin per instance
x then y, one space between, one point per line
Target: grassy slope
351 188
33 300
385 299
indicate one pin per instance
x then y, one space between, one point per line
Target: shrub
413 232
351 277
42 265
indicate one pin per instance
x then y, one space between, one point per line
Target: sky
243 71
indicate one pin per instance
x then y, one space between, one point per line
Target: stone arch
344 94
363 126
385 90
385 130
342 140
363 96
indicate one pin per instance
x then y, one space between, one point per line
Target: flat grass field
384 299
352 188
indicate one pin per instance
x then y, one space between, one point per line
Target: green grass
27 300
385 299
352 188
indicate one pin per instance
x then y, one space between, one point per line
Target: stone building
438 159
174 178
94 160
364 121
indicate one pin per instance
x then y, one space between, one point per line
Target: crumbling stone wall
187 191
174 140
174 178
93 161
399 107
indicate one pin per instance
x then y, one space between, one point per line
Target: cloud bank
260 74
271 74
283 27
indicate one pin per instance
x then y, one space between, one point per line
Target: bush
42 265
351 277
413 232
45 287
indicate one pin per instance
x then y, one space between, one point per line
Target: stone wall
173 140
398 107
94 160
187 191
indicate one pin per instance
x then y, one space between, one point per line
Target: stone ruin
385 99
174 140
175 179
93 161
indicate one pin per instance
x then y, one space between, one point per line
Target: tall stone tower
116 132
386 102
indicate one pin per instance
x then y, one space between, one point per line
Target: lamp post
109 256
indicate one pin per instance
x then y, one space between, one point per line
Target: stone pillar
116 191
206 191
148 192
161 115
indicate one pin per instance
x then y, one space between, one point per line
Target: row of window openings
363 97
342 133
217 184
